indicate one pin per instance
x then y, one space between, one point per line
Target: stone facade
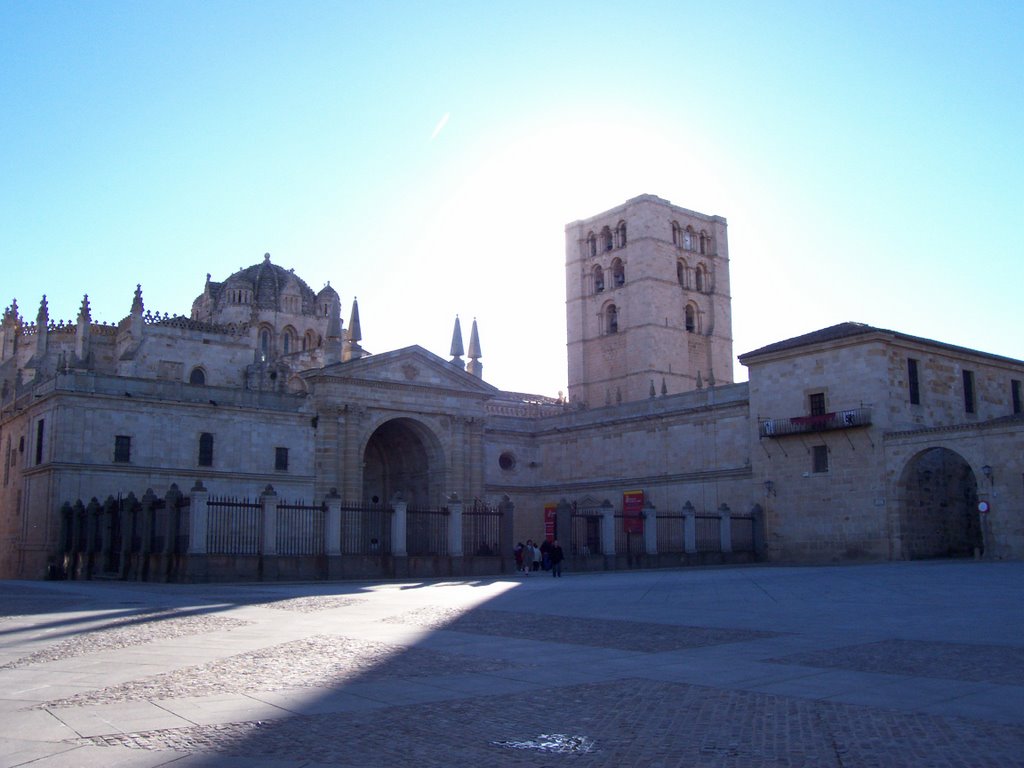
849 443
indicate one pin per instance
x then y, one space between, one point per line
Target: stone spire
42 327
82 334
351 349
334 351
457 350
9 331
136 324
474 366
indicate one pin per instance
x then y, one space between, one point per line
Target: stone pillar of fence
689 529
81 548
92 525
172 508
563 525
455 553
64 546
107 532
198 519
725 527
508 514
332 525
650 515
455 526
398 543
146 524
268 542
607 529
268 501
757 515
126 509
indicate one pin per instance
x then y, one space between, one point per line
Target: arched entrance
403 456
939 514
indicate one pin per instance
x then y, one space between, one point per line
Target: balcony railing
801 425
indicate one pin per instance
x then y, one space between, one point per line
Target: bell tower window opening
598 279
606 239
677 235
622 234
690 318
611 317
592 244
618 273
698 278
688 238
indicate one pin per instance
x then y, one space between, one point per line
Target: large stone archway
402 456
939 511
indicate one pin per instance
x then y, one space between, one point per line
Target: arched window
682 273
198 376
691 318
606 239
688 238
622 234
703 242
264 343
611 315
598 279
592 244
618 273
309 341
288 340
698 274
676 235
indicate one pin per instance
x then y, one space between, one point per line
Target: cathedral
167 446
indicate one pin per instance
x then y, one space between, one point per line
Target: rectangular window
820 458
817 403
206 450
281 458
1015 396
969 403
122 449
39 441
912 382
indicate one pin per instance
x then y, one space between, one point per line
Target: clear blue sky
425 157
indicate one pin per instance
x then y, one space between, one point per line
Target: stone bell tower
648 302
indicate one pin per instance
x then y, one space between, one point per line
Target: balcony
825 422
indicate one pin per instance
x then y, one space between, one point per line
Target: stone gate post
725 527
455 535
196 567
399 546
268 546
689 528
607 529
650 515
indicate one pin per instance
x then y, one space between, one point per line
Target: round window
507 461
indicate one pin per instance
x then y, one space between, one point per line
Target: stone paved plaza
900 664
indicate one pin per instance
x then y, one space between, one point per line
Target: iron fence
300 529
426 531
234 527
481 530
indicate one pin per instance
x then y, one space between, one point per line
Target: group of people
547 556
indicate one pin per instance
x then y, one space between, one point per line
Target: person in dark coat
557 556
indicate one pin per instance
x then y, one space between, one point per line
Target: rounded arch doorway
403 457
939 511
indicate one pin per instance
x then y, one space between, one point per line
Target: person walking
536 557
557 556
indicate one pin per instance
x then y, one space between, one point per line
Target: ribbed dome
267 281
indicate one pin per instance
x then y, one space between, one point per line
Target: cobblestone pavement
633 722
908 664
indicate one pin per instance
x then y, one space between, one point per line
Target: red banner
632 511
549 521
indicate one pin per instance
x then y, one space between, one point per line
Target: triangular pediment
411 366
